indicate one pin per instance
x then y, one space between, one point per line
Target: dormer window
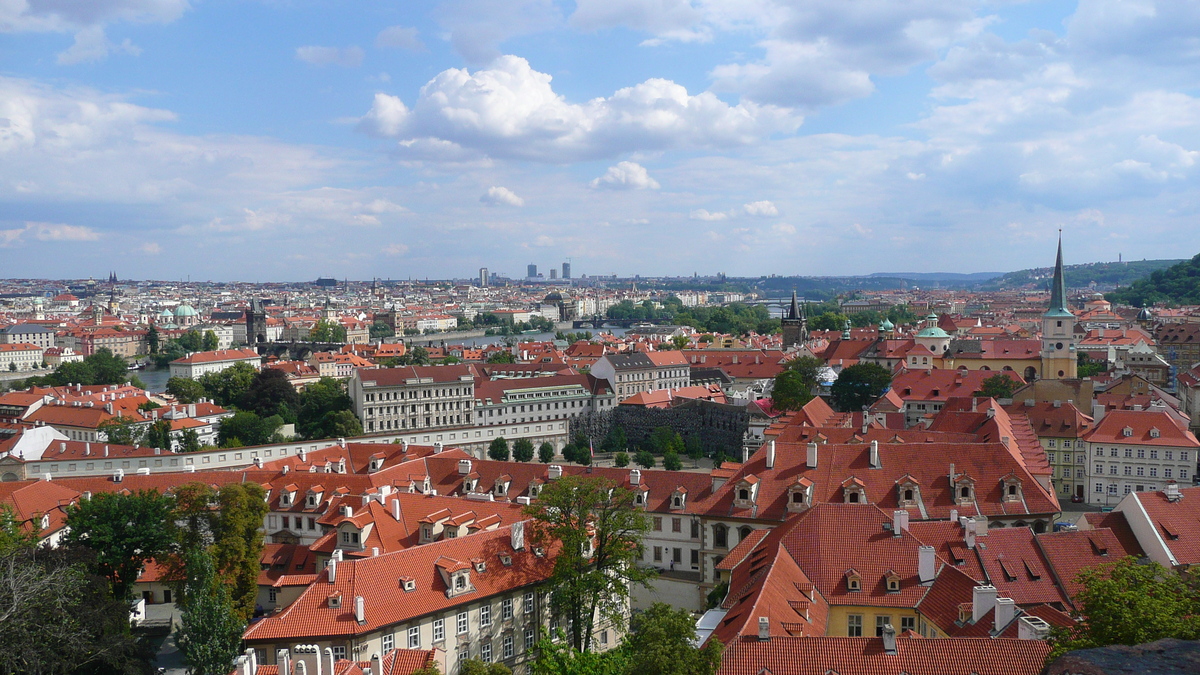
506 560
460 582
426 533
853 581
45 521
1012 488
744 494
893 581
854 491
1154 433
285 498
799 495
964 489
335 600
408 584
1127 432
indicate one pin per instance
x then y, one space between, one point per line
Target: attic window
744 494
460 582
1127 432
1154 433
639 499
677 501
1012 490
335 600
893 582
409 585
480 566
852 497
853 581
965 492
908 494
506 560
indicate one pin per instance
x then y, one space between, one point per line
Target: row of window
1066 457
1167 472
507 647
1112 488
677 526
424 393
854 624
1141 453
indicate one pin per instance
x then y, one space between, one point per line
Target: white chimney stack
329 660
954 515
337 554
376 664
396 509
332 570
252 658
1006 611
464 467
284 660
771 454
889 639
360 609
554 472
517 535
898 525
1032 628
764 628
926 564
404 445
437 447
875 455
812 456
983 599
970 534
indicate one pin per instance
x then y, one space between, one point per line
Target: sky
273 140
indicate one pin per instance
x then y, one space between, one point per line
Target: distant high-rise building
553 273
483 277
566 270
531 271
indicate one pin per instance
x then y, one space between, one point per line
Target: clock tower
1059 357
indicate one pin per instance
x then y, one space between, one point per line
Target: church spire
794 310
1058 288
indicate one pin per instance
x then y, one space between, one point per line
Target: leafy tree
1090 368
271 393
523 450
621 459
59 617
317 402
158 435
556 657
569 452
12 536
248 428
615 440
717 595
1127 603
122 430
791 391
695 449
997 386
859 385
380 330
807 367
545 453
185 390
125 530
644 459
498 449
671 461
210 631
661 642
227 387
12 365
231 533
662 438
340 424
478 667
600 532
189 441
502 357
1176 285
211 341
152 340
327 331
417 356
191 341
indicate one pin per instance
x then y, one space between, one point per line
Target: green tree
248 428
791 391
191 341
598 532
211 341
327 331
122 430
545 453
189 441
228 386
320 405
152 340
478 667
502 357
1090 368
498 449
661 642
12 535
569 452
859 385
158 435
125 531
695 449
523 450
210 632
185 390
271 393
1126 602
621 459
997 386
662 439
644 459
671 461
380 330
615 440
557 657
828 321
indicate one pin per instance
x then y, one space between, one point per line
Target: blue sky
289 139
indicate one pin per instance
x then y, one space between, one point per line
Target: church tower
256 323
795 325
1058 329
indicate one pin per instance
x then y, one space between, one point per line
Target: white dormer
908 492
679 498
800 495
1012 488
313 497
1154 432
853 580
1127 432
964 490
745 492
376 462
287 497
854 491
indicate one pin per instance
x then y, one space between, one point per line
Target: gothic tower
1058 329
256 323
795 326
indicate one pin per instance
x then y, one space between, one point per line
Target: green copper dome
185 310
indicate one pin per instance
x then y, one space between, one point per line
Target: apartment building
1138 451
637 372
1060 428
27 333
194 366
20 356
536 399
414 397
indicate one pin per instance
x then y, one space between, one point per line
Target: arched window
744 494
965 492
720 536
1030 374
908 495
797 497
853 497
744 532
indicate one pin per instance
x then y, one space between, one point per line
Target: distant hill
1080 276
951 277
1176 285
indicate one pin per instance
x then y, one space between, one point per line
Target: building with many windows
1138 451
637 372
414 397
1060 428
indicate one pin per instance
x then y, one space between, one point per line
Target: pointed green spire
1058 289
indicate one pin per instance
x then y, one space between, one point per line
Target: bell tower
1059 356
795 325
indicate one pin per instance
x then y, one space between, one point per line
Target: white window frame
414 637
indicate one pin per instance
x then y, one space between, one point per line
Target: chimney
1097 412
981 526
1006 611
396 509
329 660
332 567
875 455
764 628
983 598
635 477
376 664
554 472
771 454
1172 492
926 565
1032 628
952 476
898 524
889 639
1058 404
284 659
464 467
360 610
337 554
970 534
954 515
812 456
404 446
517 535
62 447
437 447
252 658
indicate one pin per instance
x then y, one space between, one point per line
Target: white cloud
395 249
626 176
665 19
60 15
783 229
501 196
761 208
477 28
47 232
150 248
705 214
91 44
510 110
350 57
400 37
